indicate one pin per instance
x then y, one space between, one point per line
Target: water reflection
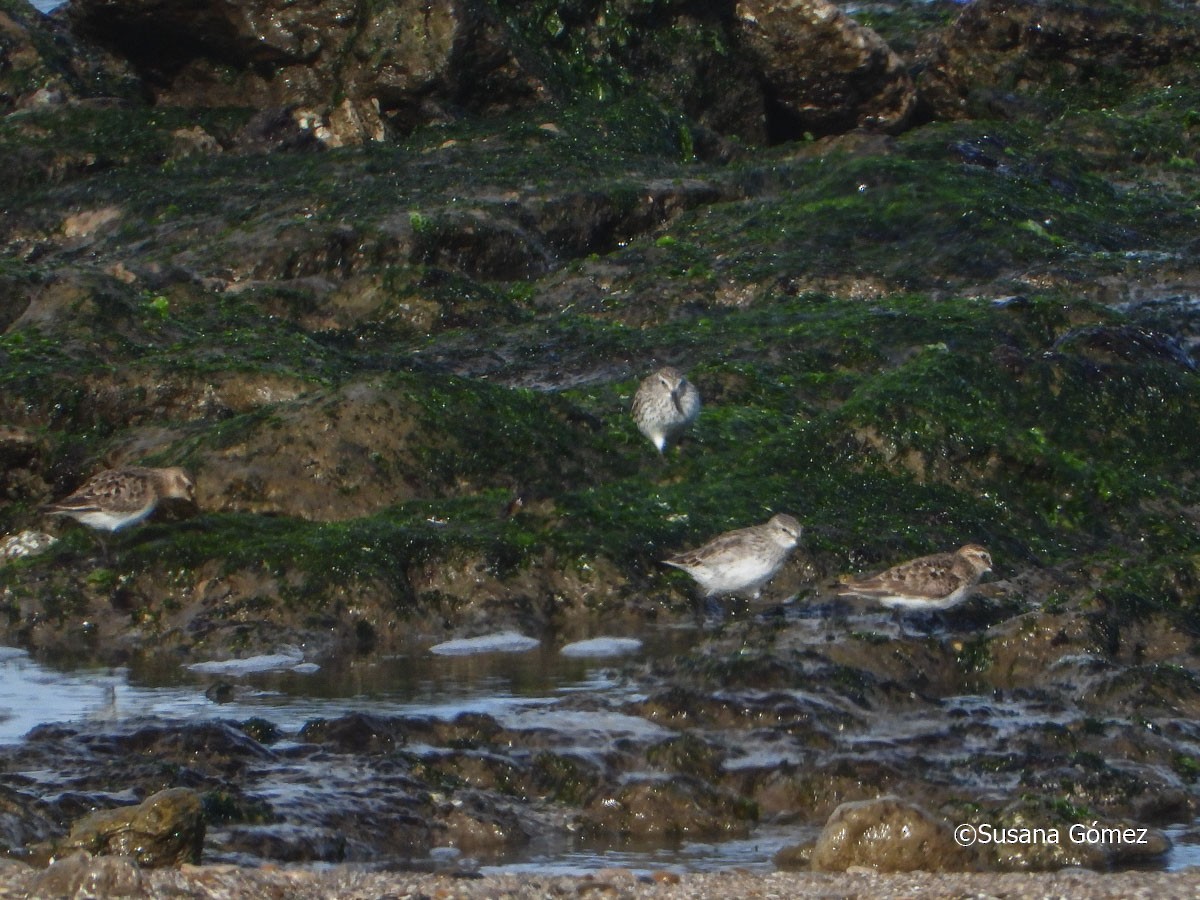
535 690
412 683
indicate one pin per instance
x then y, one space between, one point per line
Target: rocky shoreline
218 882
384 285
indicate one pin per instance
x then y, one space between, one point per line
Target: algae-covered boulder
1000 54
166 829
824 73
1029 836
400 60
43 65
889 835
679 807
349 73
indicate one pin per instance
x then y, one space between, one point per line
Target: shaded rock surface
386 60
42 65
998 53
351 72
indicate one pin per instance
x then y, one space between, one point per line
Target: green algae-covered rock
166 829
888 835
1010 56
42 65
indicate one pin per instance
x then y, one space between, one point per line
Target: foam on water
289 660
602 646
500 642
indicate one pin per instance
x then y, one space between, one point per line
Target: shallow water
288 691
753 854
529 690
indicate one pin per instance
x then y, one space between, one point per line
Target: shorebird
118 498
927 584
741 561
665 404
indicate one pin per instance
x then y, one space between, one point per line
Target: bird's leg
104 554
714 611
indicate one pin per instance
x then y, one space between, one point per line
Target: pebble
221 882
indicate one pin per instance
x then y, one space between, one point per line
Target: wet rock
466 730
275 129
194 141
824 73
1105 344
1028 650
348 69
1113 790
783 712
813 792
797 857
372 444
347 75
26 543
83 875
213 745
261 730
680 807
43 65
167 829
18 446
564 778
888 835
23 819
355 733
479 828
479 770
1148 690
999 53
1030 836
220 692
687 753
690 58
287 842
1165 807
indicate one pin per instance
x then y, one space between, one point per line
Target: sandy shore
346 882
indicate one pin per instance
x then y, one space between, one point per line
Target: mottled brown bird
929 583
117 498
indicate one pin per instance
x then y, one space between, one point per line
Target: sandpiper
665 404
117 498
927 584
741 561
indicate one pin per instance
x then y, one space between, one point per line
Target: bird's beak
675 400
